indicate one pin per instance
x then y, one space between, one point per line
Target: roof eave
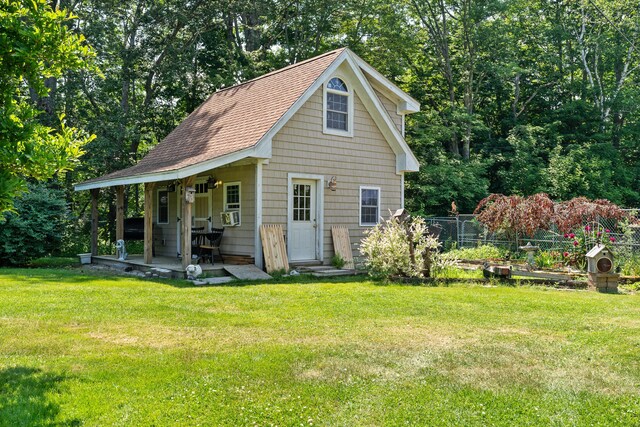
262 152
406 105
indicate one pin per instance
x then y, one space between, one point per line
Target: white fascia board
254 151
303 98
410 105
405 160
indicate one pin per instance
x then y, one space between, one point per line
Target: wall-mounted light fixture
213 183
332 184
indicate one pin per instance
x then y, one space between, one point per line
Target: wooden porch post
119 212
148 222
186 222
94 221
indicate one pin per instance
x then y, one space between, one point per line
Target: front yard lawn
87 350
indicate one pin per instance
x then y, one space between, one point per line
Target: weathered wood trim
119 212
95 193
186 222
148 222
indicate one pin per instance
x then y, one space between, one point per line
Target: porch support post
186 221
257 241
119 212
148 222
94 221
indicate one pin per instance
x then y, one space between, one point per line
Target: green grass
78 349
482 252
55 262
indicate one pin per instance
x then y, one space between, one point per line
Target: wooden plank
119 212
148 222
95 193
186 222
247 272
273 247
541 275
342 245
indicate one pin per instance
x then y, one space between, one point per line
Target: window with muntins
232 197
337 103
369 205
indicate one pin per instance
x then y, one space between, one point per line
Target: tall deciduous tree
36 45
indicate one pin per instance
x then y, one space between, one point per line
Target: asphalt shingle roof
231 120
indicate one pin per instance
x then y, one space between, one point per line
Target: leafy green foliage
481 252
337 261
35 45
399 248
36 227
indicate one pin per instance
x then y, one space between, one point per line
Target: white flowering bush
399 248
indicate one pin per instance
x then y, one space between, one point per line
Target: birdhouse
600 260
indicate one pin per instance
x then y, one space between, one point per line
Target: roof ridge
279 70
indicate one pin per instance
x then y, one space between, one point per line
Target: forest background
518 96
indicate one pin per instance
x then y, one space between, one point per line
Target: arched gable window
337 107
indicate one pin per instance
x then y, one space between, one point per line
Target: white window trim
367 187
349 94
158 206
224 199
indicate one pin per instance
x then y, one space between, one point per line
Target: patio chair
215 237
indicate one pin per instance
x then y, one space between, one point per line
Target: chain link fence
464 231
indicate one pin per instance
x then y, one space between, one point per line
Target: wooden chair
215 237
198 238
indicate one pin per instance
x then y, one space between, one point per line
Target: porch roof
224 128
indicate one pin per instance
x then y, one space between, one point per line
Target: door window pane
301 202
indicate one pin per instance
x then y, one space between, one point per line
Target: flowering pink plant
581 241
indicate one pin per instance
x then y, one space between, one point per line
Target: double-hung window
369 205
337 107
232 197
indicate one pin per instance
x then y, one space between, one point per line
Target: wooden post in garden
187 202
119 212
94 221
148 222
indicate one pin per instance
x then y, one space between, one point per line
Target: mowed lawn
87 350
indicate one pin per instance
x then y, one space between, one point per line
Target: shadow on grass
24 398
284 280
55 275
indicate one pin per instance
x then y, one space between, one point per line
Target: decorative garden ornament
193 271
121 250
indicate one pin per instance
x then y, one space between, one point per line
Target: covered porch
178 209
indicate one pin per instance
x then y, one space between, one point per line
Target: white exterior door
201 210
302 217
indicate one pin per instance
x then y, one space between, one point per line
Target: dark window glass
369 205
337 84
163 207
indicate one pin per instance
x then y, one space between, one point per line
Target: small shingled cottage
315 144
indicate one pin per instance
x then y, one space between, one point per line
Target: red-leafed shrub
515 214
572 214
526 215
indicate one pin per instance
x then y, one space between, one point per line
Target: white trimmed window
163 207
232 197
338 108
369 205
